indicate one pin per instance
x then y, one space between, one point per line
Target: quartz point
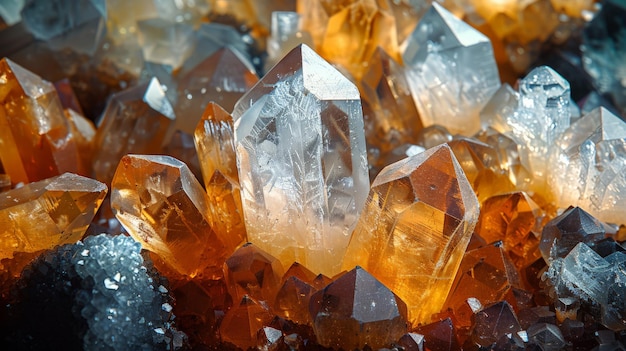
292 300
215 142
242 323
302 161
369 313
588 166
35 138
163 206
223 77
410 236
165 42
440 336
547 336
452 71
516 220
47 213
562 233
252 272
136 120
494 321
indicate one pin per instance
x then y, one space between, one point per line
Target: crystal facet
302 163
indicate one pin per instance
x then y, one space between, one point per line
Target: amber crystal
515 219
357 310
292 300
252 272
47 213
163 206
214 140
35 138
67 96
84 132
410 236
136 120
223 77
486 274
242 323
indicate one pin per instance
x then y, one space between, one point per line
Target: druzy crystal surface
302 164
47 213
412 238
163 206
452 73
588 166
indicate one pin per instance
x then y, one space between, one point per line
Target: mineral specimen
214 140
35 138
143 118
302 161
369 313
446 92
588 166
47 213
163 206
409 236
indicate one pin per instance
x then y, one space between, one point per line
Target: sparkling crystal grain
136 120
214 140
47 213
453 72
162 205
302 161
369 313
409 236
35 137
589 166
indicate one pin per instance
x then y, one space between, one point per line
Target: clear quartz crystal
588 166
453 71
302 161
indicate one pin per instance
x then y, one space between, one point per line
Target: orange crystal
163 206
35 138
214 141
414 229
47 213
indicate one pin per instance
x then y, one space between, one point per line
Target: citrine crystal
302 162
136 120
410 236
35 137
515 219
588 166
47 213
252 272
214 140
163 206
369 313
242 323
445 91
223 77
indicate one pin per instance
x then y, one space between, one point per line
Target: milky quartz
588 166
136 120
36 141
414 229
302 161
163 206
47 213
452 71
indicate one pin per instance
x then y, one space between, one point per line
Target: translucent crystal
164 42
286 34
122 17
188 11
35 137
440 335
453 71
588 166
162 205
47 19
223 77
369 313
143 118
10 11
409 236
302 163
242 322
47 213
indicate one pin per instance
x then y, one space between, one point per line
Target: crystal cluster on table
313 175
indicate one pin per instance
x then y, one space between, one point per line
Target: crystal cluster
239 138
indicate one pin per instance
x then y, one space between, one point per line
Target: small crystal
494 321
547 336
242 323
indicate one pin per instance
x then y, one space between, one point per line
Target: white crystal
453 72
302 164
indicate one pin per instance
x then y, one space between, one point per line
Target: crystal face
409 236
589 166
302 164
446 92
47 213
